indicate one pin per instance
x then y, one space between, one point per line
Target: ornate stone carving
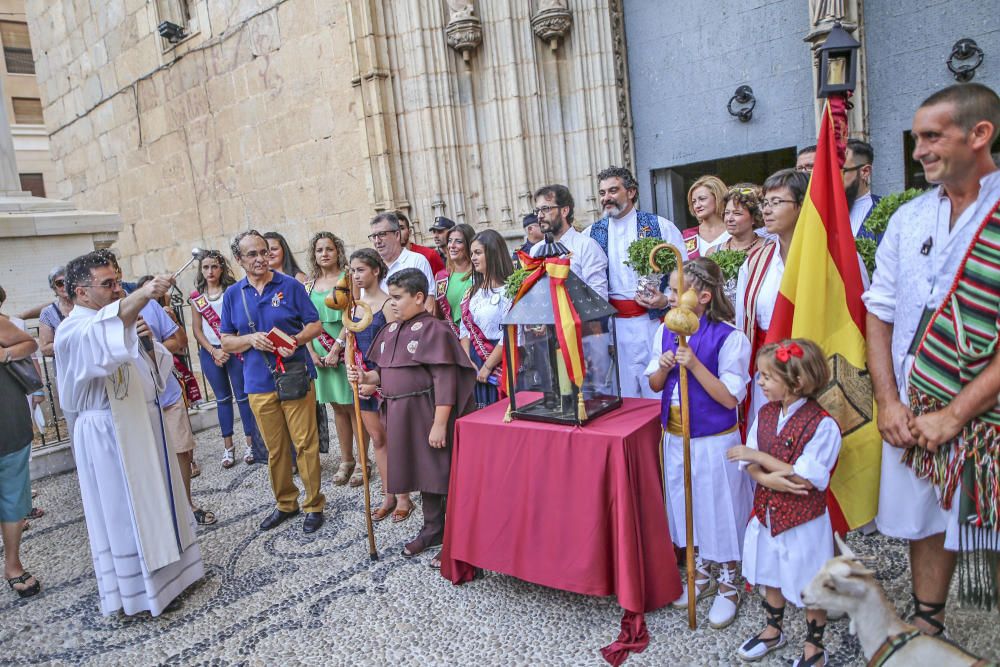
832 10
464 30
823 14
552 22
621 81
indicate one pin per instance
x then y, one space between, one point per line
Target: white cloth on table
488 308
721 494
587 260
410 260
790 559
915 266
93 346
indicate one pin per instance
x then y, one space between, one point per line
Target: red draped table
575 508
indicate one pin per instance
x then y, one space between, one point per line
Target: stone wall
683 70
907 52
247 124
300 115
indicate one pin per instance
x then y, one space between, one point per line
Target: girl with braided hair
717 358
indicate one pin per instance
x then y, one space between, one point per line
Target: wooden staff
682 321
352 327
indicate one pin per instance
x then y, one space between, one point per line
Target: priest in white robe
139 522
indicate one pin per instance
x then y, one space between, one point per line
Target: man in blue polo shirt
274 300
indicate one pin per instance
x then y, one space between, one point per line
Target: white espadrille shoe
727 600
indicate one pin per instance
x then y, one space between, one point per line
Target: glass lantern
546 392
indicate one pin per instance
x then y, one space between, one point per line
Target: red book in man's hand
279 339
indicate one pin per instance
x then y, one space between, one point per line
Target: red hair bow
786 352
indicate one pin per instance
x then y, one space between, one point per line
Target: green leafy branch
729 261
878 221
638 257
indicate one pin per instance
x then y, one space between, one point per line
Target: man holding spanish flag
932 330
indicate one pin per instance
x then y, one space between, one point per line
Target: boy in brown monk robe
427 382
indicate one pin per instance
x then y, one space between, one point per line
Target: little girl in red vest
791 449
717 358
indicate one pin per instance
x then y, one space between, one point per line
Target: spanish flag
820 299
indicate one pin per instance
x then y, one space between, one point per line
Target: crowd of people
426 348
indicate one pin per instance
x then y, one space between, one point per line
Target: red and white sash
442 279
758 262
690 236
484 347
200 303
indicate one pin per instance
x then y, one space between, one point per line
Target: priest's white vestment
140 526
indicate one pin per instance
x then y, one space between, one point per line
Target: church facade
195 119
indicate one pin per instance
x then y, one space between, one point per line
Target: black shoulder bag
292 380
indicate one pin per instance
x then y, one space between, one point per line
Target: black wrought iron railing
56 431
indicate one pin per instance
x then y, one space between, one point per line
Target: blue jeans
227 381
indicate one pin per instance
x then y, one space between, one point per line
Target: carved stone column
822 15
375 104
552 22
464 30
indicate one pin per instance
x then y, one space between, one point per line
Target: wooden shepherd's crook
682 321
353 327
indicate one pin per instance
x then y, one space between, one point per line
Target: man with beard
141 529
554 210
857 173
405 235
637 319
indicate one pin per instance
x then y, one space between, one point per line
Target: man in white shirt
857 172
924 246
554 209
385 237
635 324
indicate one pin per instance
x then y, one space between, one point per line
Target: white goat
844 585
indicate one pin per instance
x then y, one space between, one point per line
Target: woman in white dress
791 449
483 310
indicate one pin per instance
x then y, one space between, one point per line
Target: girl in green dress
329 261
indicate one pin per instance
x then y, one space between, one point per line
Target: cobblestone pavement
282 597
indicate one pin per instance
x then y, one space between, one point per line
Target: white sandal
229 458
727 600
703 578
248 455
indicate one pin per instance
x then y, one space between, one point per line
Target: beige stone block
264 209
296 127
220 91
297 19
154 124
271 139
107 74
265 36
233 215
